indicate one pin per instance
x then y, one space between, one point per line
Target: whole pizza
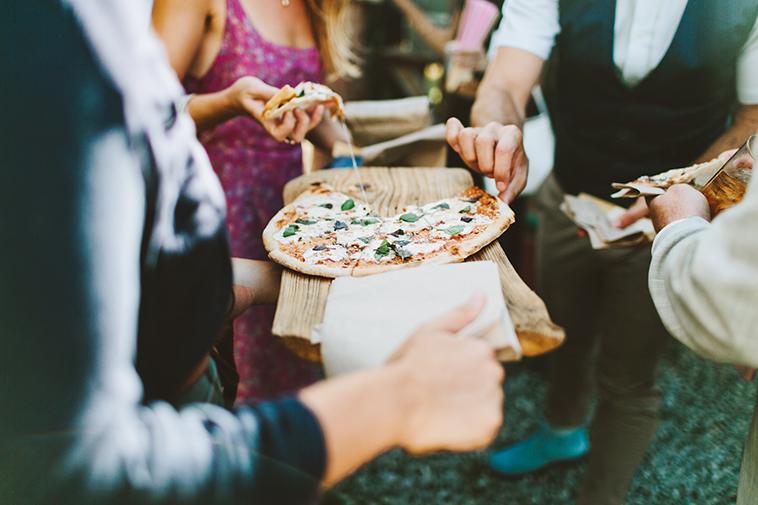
330 234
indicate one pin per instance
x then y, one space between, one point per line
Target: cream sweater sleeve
704 282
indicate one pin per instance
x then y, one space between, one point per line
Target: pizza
305 95
330 234
652 185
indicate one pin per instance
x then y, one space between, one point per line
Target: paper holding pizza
330 234
697 175
305 96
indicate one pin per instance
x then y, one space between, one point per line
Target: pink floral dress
253 168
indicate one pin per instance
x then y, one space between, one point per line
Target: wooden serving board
302 298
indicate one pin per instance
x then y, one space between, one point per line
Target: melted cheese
331 253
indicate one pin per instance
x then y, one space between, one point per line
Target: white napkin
368 318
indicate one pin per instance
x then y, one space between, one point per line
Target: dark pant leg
569 282
632 339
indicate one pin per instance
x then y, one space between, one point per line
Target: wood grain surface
302 298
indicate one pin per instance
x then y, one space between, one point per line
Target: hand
452 391
679 202
250 95
495 151
633 214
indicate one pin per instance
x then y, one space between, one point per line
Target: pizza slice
653 185
305 96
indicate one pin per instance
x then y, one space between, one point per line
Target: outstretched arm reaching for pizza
493 145
437 393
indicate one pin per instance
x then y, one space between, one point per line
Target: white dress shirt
643 32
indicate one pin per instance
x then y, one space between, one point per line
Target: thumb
455 320
633 214
452 129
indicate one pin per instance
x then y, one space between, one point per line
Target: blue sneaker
540 450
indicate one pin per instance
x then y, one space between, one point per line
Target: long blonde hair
334 33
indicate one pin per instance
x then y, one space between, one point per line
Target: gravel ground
694 458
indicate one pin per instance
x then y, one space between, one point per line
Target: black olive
474 199
398 232
320 247
467 219
339 225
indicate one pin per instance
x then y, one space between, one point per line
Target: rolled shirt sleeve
704 282
531 25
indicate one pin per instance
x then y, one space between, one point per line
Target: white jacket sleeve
704 282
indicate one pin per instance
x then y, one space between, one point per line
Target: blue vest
606 131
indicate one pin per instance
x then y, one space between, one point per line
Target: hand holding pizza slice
305 96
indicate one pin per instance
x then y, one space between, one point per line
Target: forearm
435 36
328 133
507 88
255 283
496 104
357 430
745 124
211 109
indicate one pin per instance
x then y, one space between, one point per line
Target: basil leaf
455 230
397 232
349 204
409 218
290 230
443 205
365 221
400 243
327 205
339 225
383 249
473 200
304 221
465 210
365 240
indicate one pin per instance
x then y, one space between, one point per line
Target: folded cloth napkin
368 318
596 216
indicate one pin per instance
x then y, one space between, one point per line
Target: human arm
703 276
438 392
182 26
494 145
329 133
255 283
71 294
436 37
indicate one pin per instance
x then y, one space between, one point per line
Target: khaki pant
614 340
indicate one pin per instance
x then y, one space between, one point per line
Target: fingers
519 174
484 144
283 129
457 319
633 214
467 147
317 115
452 129
302 126
507 155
